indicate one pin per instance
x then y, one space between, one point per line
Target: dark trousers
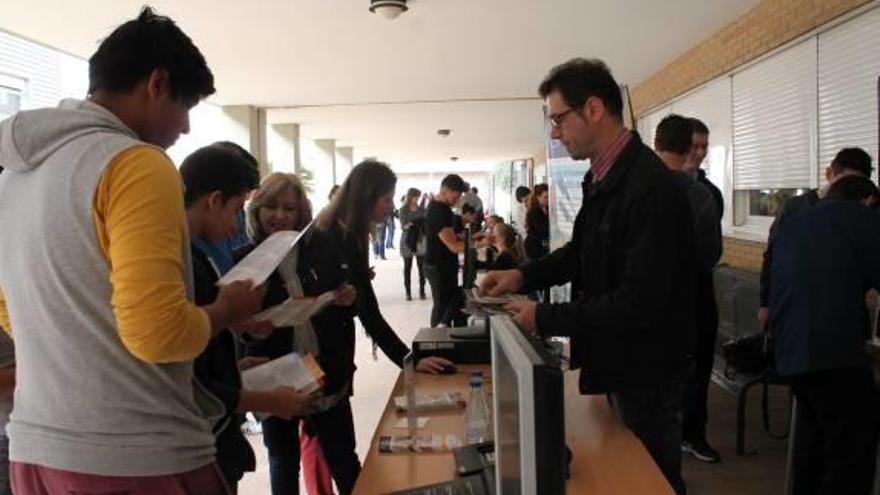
696 385
407 272
335 430
837 425
653 414
446 294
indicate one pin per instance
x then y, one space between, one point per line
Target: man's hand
288 403
235 302
249 362
345 295
433 364
764 318
256 329
524 314
501 282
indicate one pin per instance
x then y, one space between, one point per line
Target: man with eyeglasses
630 261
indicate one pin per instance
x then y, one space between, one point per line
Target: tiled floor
760 474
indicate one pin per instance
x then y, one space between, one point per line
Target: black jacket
824 260
217 369
716 193
788 209
633 271
326 261
537 241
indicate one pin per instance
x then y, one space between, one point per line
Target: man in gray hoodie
672 142
96 280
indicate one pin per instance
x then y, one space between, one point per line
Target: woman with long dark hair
365 199
537 241
412 240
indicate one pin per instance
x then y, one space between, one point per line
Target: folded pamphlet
429 443
302 373
295 311
432 402
264 259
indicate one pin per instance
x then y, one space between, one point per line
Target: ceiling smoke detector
389 9
444 132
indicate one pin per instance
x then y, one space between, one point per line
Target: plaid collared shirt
600 167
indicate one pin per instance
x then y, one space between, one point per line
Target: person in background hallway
412 241
218 179
468 218
7 387
441 256
471 197
672 141
389 229
848 161
631 262
377 234
537 240
281 204
699 150
520 209
508 246
365 198
119 255
824 259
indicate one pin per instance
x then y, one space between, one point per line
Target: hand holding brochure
291 370
264 259
295 311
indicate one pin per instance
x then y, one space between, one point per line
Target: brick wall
769 25
745 255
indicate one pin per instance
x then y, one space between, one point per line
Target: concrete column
248 130
285 152
326 154
344 163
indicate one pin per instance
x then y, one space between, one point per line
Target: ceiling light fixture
389 9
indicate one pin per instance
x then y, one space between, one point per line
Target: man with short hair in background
848 161
693 166
442 249
673 143
824 259
97 280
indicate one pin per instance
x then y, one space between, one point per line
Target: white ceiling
290 53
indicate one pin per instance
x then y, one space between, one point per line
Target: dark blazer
631 264
320 269
537 241
825 259
788 209
217 369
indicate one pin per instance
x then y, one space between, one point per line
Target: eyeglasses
557 119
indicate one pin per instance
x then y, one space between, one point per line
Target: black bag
749 354
414 233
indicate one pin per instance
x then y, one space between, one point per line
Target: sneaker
408 296
701 451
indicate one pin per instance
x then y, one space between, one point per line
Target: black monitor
529 413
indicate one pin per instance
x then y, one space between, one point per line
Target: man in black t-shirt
441 258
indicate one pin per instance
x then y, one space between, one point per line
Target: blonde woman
281 204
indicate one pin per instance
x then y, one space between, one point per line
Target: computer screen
529 413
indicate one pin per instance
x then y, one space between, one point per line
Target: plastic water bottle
476 414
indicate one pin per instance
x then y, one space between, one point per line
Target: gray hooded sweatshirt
83 403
